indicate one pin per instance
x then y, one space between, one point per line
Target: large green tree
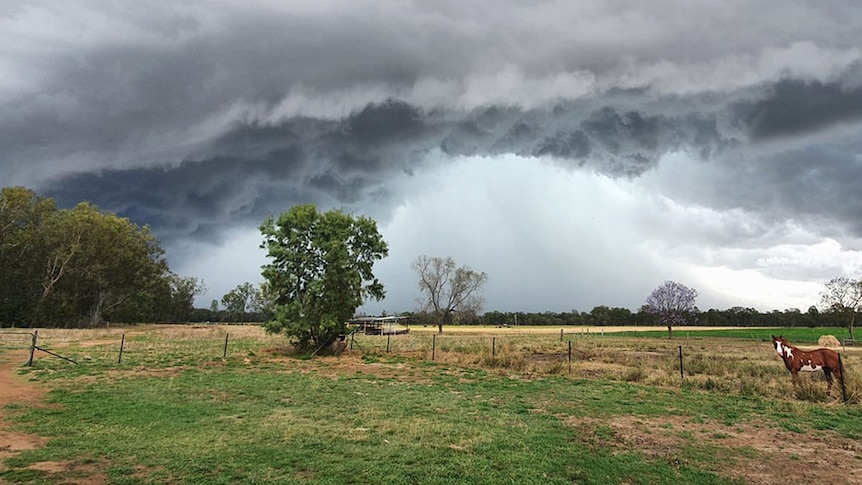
320 272
96 262
72 266
447 288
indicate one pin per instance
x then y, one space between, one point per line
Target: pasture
492 405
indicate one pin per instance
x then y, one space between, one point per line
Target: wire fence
700 362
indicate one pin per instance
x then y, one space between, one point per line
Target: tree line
644 317
82 267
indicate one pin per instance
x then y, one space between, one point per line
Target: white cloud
236 260
552 239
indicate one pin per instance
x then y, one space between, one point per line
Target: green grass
803 335
304 422
175 412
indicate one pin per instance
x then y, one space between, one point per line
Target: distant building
380 325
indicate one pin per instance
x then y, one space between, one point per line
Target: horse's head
780 344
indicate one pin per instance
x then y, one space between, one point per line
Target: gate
21 340
15 340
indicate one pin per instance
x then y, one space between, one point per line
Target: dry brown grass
745 367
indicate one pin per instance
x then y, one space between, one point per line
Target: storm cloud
203 118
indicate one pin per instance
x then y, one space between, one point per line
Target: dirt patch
15 390
69 472
754 454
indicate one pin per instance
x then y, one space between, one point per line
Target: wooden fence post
841 369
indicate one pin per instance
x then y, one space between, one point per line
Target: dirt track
15 389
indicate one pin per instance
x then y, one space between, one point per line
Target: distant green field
802 335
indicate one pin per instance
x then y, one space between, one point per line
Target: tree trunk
440 327
850 328
669 334
96 317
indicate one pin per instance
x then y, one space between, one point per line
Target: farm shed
379 325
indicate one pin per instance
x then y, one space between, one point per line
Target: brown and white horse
796 360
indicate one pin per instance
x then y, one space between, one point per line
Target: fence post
570 356
122 344
351 339
681 372
33 348
493 348
226 335
841 369
433 346
388 336
561 335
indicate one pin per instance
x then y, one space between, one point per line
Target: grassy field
493 406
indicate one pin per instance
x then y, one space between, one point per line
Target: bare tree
447 289
673 303
843 295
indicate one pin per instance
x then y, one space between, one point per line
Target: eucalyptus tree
183 290
240 300
673 303
447 288
96 262
72 266
320 272
22 216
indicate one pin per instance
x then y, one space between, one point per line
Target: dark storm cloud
191 196
206 114
794 107
259 169
812 185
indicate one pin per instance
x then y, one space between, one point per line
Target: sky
579 153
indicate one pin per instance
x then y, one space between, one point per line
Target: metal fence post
681 372
570 356
122 344
33 348
388 336
226 335
433 346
